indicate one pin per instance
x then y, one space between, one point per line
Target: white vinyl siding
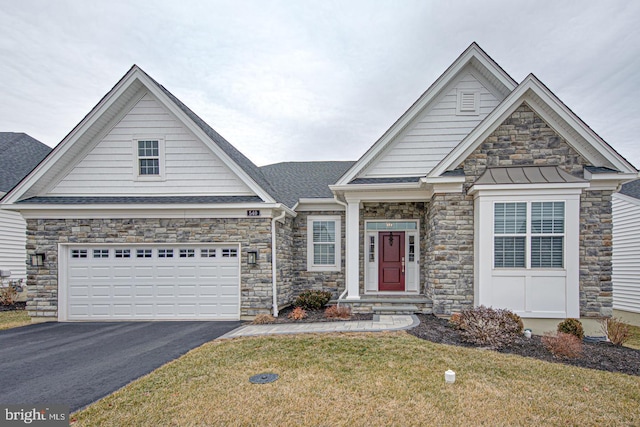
626 253
323 243
190 167
13 239
434 133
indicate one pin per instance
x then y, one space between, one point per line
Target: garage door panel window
207 253
144 253
123 253
101 253
229 253
165 253
187 253
78 253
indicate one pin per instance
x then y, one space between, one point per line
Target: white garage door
143 282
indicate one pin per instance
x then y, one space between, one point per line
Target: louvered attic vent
468 102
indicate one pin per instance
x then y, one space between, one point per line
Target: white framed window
143 253
207 253
149 157
468 102
229 253
101 253
528 234
123 253
323 243
165 253
78 253
187 253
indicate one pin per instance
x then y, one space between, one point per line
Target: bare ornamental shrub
486 326
298 313
616 330
263 319
336 312
571 326
563 345
8 294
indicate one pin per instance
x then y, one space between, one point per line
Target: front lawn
634 341
13 319
366 379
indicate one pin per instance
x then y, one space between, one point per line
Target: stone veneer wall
43 235
449 254
523 139
332 281
285 262
392 211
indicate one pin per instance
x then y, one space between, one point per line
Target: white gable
191 168
436 130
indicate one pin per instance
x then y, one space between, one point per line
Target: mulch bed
316 316
603 356
13 307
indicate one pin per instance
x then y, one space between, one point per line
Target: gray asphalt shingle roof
19 154
631 189
296 180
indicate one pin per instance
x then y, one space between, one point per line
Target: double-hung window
149 157
528 235
323 243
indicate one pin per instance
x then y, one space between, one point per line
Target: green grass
362 380
13 319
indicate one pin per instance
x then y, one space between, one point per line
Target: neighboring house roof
631 189
304 180
526 175
19 154
63 200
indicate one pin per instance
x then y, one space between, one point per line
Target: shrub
312 300
517 320
337 312
298 313
563 345
571 326
616 330
495 328
263 319
8 294
455 320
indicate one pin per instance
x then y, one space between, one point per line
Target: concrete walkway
382 323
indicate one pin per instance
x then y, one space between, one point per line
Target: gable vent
468 103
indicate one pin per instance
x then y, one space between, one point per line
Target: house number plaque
253 212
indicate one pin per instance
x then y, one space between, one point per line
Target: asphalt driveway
75 364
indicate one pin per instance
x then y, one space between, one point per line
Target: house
486 191
19 154
626 252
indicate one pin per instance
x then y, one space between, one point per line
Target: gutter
346 212
274 276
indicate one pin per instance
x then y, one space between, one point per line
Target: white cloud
288 81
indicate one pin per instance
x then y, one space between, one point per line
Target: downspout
346 212
274 277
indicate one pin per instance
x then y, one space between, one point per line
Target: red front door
391 261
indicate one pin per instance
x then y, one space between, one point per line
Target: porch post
353 250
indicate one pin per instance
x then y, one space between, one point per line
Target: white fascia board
422 195
320 204
203 137
375 187
509 105
530 189
473 51
444 179
613 176
151 211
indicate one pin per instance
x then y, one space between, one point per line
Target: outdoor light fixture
37 260
252 257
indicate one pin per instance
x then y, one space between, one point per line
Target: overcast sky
311 80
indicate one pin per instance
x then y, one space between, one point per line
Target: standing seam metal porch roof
526 175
